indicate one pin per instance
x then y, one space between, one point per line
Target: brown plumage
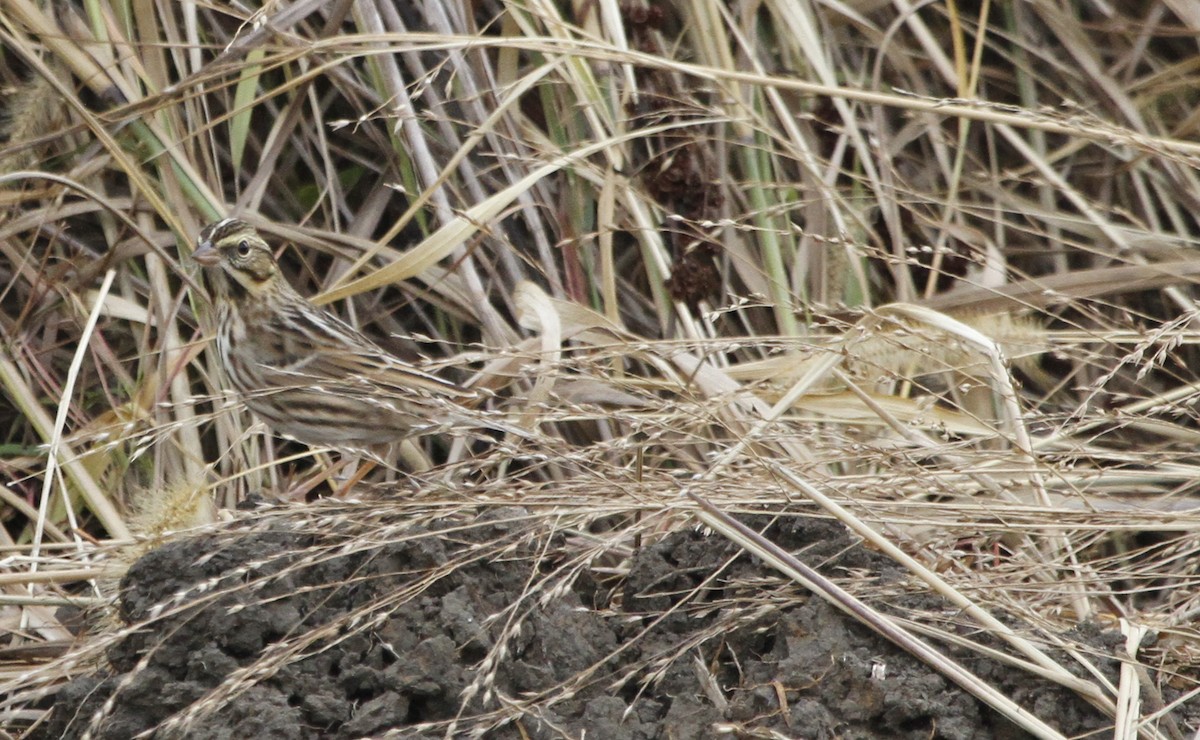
306 373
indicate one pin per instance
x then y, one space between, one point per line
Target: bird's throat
236 290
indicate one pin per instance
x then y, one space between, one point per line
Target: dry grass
935 266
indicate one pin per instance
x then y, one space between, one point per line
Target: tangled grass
920 270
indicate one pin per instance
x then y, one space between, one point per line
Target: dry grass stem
908 289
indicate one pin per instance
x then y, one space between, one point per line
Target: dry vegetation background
926 269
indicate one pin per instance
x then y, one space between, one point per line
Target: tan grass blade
442 242
760 547
1089 691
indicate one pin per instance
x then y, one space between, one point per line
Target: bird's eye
243 248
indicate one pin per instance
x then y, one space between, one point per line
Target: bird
305 372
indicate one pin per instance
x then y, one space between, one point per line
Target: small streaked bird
306 373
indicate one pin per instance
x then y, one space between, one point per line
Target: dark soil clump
289 632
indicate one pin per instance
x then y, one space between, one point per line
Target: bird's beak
206 255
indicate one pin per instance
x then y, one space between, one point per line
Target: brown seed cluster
642 18
678 170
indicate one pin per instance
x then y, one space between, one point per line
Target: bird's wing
390 374
324 349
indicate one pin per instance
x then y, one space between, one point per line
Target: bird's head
236 258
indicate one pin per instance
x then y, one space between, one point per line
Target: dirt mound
294 632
